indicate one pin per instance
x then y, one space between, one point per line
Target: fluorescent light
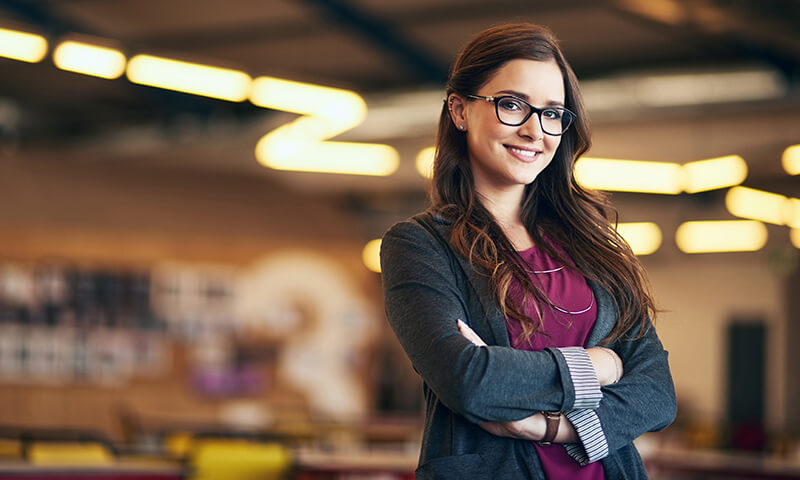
794 235
301 145
371 255
424 162
27 47
791 212
343 109
714 173
756 204
721 236
291 147
629 175
643 237
791 160
89 59
195 78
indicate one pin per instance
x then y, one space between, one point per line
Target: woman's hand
532 428
470 334
607 365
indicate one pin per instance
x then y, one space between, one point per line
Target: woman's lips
524 154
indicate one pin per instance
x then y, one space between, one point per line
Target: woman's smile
526 154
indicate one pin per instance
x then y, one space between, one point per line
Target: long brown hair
554 205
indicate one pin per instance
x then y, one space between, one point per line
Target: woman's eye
551 113
510 105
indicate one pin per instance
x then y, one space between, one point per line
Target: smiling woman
520 305
506 150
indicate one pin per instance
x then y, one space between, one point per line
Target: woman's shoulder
429 222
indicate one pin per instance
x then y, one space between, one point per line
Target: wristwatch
553 420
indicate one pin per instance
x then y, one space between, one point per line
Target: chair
238 459
67 447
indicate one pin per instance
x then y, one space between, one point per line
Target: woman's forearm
532 428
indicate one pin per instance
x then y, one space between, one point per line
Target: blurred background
192 190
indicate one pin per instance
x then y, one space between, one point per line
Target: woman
503 292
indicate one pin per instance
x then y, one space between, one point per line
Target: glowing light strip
791 160
629 175
643 237
89 59
756 204
791 212
187 77
714 173
660 177
371 255
721 236
424 161
23 46
301 145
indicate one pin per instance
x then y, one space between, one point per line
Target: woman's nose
532 127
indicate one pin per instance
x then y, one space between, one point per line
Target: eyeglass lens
512 111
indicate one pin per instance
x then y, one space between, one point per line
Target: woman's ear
458 111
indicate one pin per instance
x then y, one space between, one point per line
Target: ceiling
394 53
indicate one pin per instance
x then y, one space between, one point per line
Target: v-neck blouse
567 325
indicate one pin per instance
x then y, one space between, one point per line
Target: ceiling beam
717 27
386 37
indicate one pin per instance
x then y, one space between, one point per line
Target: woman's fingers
470 334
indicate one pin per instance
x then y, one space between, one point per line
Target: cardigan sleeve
423 302
643 400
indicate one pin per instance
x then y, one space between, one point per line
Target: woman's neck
504 205
506 208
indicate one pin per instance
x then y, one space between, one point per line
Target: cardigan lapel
606 315
492 315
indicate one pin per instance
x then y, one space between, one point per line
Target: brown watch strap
553 420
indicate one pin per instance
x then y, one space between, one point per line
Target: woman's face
505 157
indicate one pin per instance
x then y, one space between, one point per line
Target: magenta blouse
566 325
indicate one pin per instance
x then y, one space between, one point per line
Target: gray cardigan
427 288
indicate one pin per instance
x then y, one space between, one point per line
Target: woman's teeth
524 153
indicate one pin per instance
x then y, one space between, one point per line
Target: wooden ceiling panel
324 56
134 19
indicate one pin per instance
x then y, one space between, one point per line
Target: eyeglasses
513 111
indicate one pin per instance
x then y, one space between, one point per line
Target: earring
461 127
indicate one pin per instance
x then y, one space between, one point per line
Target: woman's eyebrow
523 96
515 93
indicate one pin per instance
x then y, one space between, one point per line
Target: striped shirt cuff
584 378
593 444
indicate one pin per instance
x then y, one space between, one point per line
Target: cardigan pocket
454 467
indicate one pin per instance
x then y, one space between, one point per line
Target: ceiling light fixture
791 160
194 78
629 175
643 237
794 236
756 204
371 255
791 212
721 236
714 173
89 59
424 162
27 47
301 145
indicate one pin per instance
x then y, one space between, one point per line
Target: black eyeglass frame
538 111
